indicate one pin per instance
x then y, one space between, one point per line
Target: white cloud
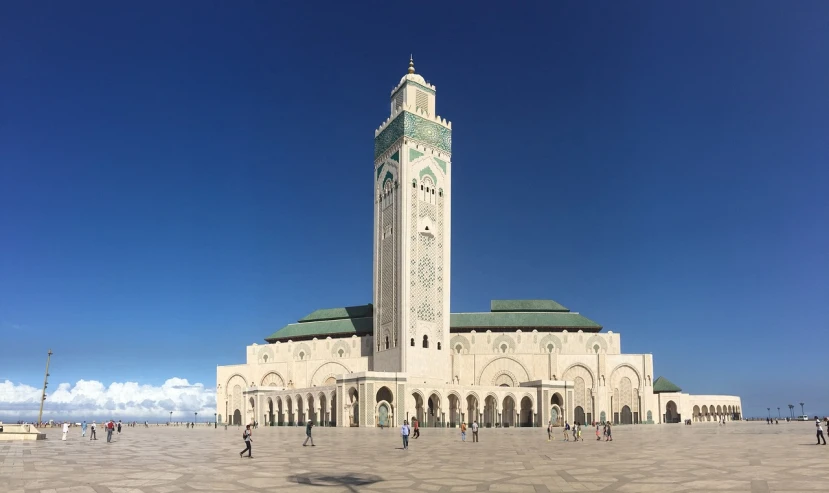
90 399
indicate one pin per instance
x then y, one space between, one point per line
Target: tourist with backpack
246 436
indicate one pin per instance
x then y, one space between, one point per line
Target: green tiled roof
339 313
662 384
307 330
507 314
518 320
526 306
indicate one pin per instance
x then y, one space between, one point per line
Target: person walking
416 428
83 428
119 426
817 425
110 428
549 431
575 430
463 432
566 431
92 432
404 432
474 431
247 438
65 430
308 427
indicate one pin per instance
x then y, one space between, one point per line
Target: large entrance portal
671 414
578 415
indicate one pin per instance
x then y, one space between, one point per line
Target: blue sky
179 181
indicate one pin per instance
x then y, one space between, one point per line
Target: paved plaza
749 457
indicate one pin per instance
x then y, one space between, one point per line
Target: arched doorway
252 411
434 410
558 404
418 414
705 414
270 412
290 405
555 415
696 414
324 419
237 417
300 411
526 412
384 399
671 414
383 415
454 411
626 416
353 407
508 413
280 412
312 411
578 415
490 411
471 409
334 409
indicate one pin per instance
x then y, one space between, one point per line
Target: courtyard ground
747 457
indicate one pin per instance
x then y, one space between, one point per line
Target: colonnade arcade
290 407
716 413
431 407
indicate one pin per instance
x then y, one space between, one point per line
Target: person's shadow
351 481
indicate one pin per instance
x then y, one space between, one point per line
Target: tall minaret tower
412 240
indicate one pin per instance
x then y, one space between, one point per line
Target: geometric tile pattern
743 457
415 128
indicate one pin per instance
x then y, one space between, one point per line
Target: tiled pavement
748 457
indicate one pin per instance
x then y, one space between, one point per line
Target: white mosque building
523 363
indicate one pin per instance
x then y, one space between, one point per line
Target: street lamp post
171 417
769 410
791 410
215 421
45 382
778 413
802 412
195 418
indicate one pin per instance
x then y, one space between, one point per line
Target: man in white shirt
65 430
819 432
475 430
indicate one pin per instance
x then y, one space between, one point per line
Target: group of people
110 427
247 436
602 430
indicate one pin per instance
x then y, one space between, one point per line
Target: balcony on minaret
414 94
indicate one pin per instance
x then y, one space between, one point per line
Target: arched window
426 341
438 346
503 348
302 355
596 348
458 349
265 358
412 341
340 352
550 348
387 342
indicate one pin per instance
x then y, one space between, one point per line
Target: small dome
413 77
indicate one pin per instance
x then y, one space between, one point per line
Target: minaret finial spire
411 64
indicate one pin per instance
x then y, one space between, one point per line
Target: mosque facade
406 355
